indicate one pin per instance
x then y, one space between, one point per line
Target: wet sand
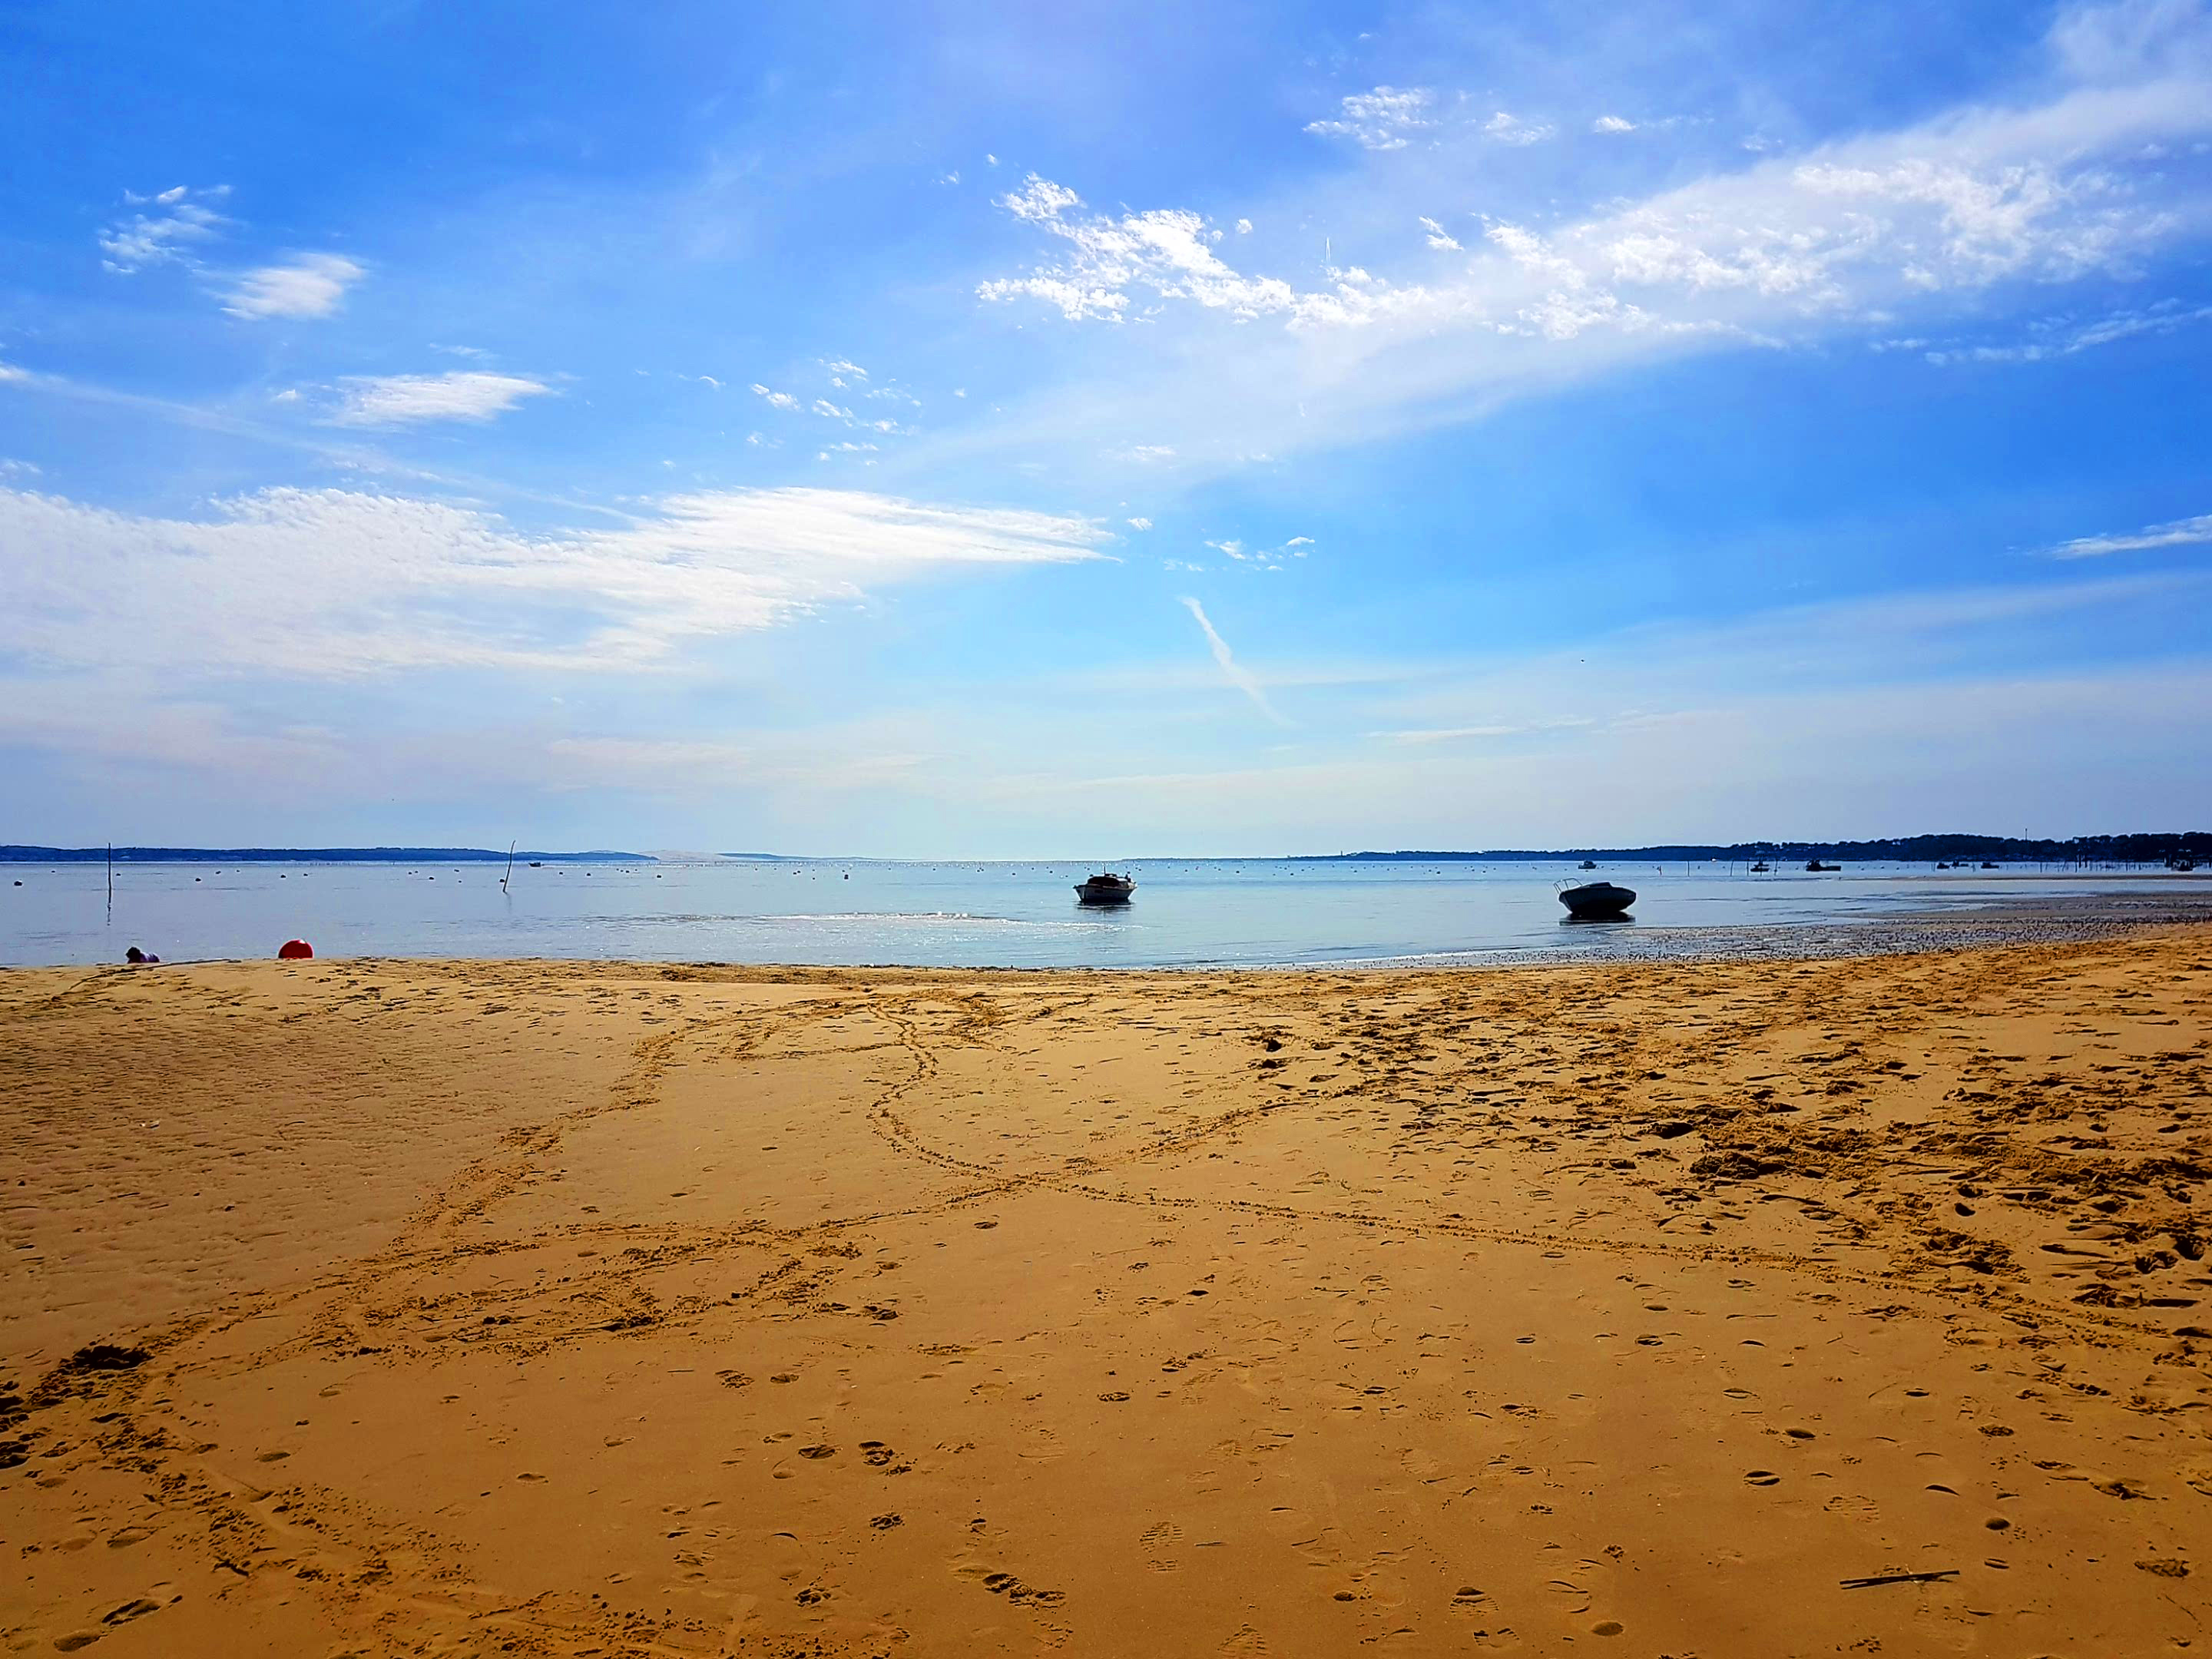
595 1309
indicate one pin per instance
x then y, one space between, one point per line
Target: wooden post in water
110 883
510 867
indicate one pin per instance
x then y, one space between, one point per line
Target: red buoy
295 950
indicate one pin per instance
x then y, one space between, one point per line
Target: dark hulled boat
1595 900
1105 888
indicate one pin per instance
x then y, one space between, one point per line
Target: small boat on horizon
1597 900
1586 864
1815 864
1761 868
1105 888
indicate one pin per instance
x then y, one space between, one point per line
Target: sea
1186 913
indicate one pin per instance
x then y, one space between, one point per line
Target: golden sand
561 1309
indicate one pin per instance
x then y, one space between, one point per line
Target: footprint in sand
1157 1540
1762 1477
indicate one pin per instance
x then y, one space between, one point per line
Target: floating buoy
295 950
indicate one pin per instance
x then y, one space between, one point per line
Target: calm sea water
1186 913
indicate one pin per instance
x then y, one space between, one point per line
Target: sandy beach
1716 1309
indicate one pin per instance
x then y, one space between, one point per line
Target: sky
951 430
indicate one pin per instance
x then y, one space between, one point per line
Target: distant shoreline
2135 848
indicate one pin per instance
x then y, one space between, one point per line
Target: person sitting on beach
138 958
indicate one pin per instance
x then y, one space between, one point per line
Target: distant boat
1596 900
1761 868
1988 864
1815 864
536 864
1588 864
1105 888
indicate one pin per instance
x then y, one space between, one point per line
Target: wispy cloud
2180 532
325 584
1505 128
309 285
1384 118
168 229
2073 181
1232 670
457 395
2062 337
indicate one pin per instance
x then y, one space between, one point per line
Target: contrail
1239 677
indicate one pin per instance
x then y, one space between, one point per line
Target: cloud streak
309 285
333 584
456 395
2180 532
1234 673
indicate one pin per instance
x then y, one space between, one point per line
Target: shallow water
1185 912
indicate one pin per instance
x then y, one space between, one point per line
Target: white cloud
458 395
1506 128
829 411
326 584
311 285
1138 524
2180 532
1611 124
1439 238
776 399
1381 120
1169 252
841 368
1957 215
1231 670
181 219
2062 337
10 372
1243 227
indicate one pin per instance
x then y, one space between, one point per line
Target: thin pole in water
110 883
510 866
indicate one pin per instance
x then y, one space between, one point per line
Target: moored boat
1105 888
1596 900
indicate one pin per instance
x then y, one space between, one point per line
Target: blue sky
963 430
